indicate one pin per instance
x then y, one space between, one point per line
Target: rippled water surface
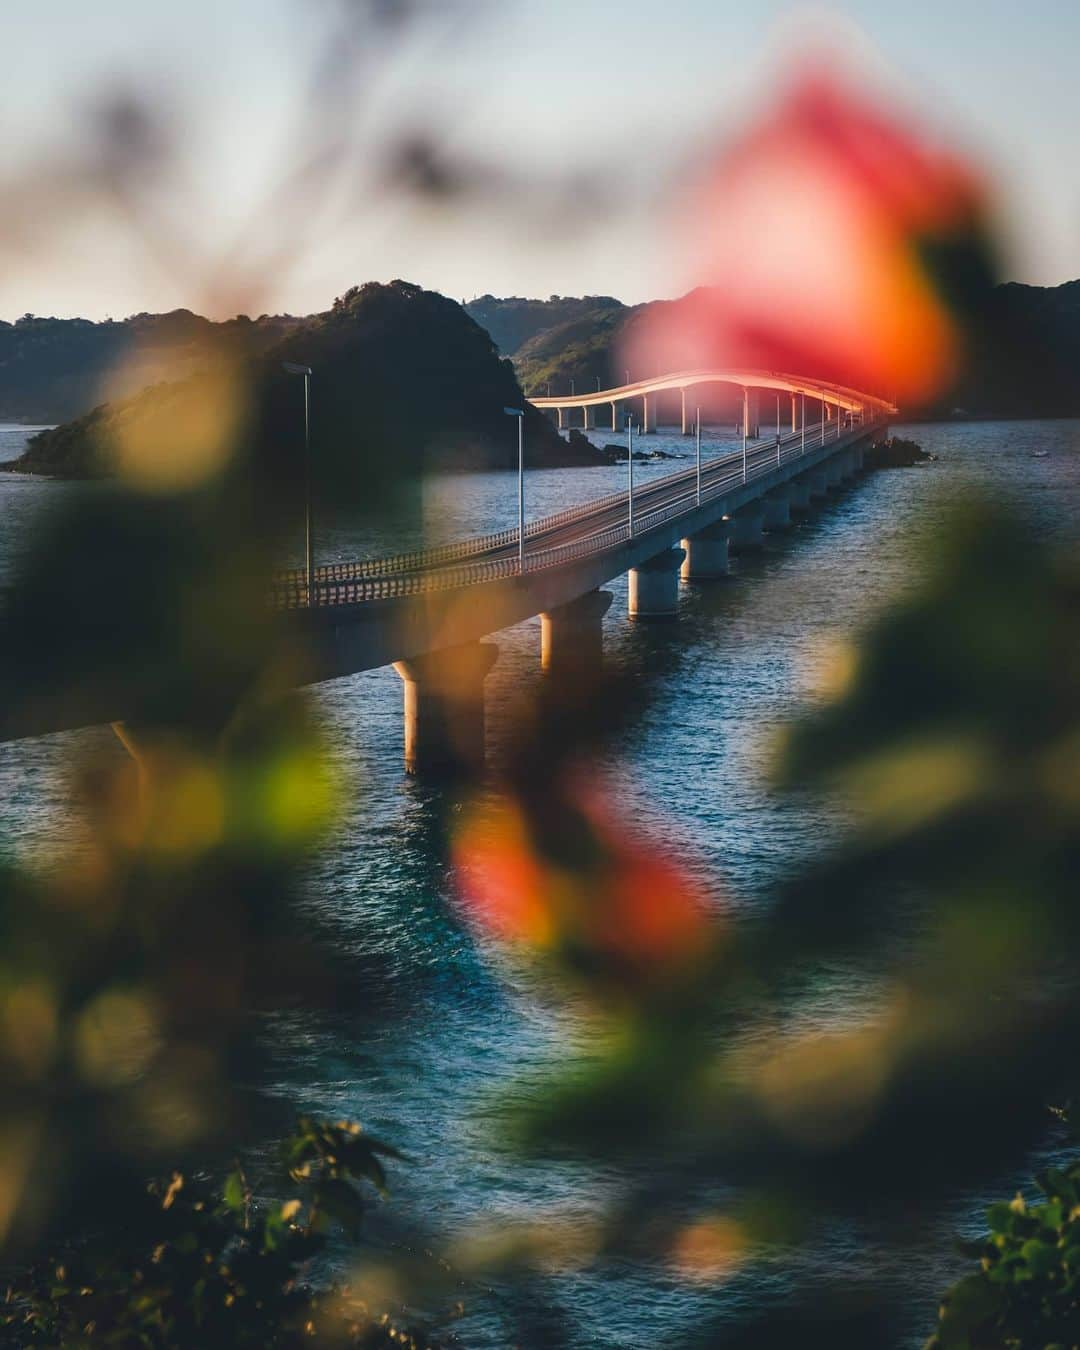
452 1026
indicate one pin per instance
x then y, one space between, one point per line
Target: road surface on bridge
549 541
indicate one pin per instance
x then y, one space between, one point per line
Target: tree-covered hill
581 349
54 369
1023 350
514 321
402 379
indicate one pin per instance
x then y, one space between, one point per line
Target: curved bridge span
860 405
427 612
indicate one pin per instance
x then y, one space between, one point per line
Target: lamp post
630 472
698 430
519 413
778 428
627 374
309 539
803 420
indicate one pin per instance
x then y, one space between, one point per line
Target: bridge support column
572 636
685 428
444 709
818 481
747 536
859 461
800 496
614 417
746 533
834 473
587 417
707 552
794 412
559 416
648 421
777 510
654 586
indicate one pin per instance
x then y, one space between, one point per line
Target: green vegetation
403 379
55 369
1024 346
1026 1292
202 1265
513 322
582 349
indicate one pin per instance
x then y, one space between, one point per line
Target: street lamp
519 413
778 428
630 471
698 428
309 539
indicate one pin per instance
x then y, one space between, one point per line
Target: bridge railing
290 590
439 556
424 559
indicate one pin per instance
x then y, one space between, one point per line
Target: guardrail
428 574
430 558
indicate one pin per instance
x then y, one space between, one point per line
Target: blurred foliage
134 965
1026 1293
209 1267
951 729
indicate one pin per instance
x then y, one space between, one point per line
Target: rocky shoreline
897 453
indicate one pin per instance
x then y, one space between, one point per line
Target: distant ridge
1025 351
1024 348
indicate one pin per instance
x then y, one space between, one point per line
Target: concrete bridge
426 612
833 399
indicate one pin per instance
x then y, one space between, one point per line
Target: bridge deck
372 613
592 527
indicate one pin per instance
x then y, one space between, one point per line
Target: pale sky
611 96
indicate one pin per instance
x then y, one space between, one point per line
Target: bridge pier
559 415
777 510
587 417
614 416
834 473
818 481
654 586
444 709
648 420
794 412
572 636
685 428
707 552
800 496
746 528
